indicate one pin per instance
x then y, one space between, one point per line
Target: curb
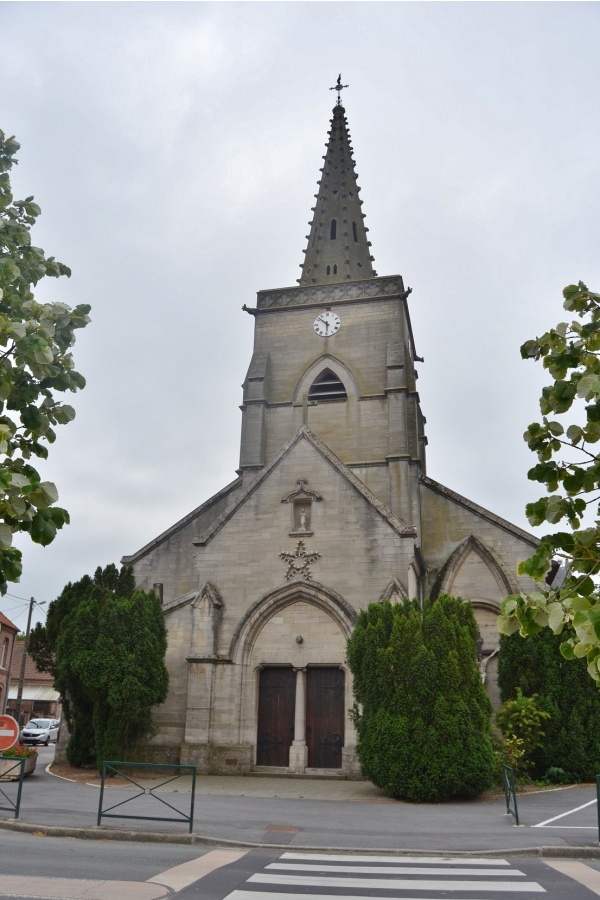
99 833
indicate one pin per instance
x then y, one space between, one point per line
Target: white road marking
562 815
185 874
397 884
578 871
392 870
418 860
277 895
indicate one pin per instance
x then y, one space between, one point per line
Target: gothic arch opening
327 386
478 575
475 571
330 366
295 691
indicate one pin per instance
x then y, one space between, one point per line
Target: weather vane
339 87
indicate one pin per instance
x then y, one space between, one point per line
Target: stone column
299 750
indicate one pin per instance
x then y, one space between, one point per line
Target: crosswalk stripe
279 895
419 860
397 884
393 870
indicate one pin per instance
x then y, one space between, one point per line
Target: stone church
331 510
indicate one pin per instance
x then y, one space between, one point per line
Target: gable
315 451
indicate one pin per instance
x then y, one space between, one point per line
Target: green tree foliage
104 642
569 466
565 691
522 717
421 711
35 365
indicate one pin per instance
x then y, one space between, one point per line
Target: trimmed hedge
565 690
421 711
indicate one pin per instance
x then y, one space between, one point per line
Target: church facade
332 509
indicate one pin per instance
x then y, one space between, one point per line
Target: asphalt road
39 868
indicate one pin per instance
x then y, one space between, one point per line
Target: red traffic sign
9 732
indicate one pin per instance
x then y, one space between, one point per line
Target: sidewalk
308 814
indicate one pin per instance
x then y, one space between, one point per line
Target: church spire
338 249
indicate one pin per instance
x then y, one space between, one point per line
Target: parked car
40 731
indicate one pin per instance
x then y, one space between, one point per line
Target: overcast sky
175 149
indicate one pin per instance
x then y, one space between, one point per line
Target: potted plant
8 770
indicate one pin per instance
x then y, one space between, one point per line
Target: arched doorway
295 692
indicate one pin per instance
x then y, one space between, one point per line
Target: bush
556 775
522 719
421 711
565 691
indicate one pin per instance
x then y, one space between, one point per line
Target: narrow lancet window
328 270
355 232
333 229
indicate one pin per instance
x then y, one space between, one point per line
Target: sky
174 149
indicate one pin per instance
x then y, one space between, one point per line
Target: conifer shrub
421 712
571 740
104 642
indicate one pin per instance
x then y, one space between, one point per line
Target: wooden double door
324 716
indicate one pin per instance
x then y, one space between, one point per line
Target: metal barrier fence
123 769
510 792
598 803
9 766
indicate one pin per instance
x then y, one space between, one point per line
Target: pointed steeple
338 249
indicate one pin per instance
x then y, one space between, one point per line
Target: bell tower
336 353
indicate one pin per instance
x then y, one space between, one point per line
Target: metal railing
510 792
9 774
123 769
598 803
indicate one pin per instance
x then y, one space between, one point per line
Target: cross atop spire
339 87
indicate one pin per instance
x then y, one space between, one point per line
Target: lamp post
32 603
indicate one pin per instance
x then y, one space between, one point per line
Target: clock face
327 323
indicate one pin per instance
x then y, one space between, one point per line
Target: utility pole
23 662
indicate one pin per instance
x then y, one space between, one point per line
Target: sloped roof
479 510
133 557
5 622
32 673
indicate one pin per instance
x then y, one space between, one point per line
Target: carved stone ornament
395 592
301 500
323 294
298 563
206 620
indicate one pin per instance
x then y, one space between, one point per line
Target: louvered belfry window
327 386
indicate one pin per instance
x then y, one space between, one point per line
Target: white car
40 731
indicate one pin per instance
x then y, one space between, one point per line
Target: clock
327 323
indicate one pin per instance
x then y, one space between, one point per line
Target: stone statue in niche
301 501
301 511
